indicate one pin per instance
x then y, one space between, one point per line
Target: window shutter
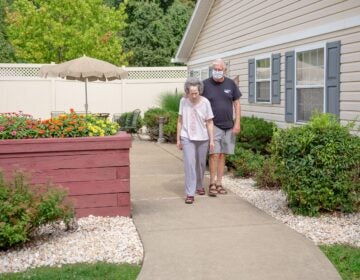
332 82
251 74
289 86
275 78
210 71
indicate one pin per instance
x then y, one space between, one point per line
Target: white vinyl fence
21 89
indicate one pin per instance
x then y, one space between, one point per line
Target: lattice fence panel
19 71
33 71
157 74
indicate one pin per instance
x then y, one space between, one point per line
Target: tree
6 52
177 18
43 31
147 36
152 36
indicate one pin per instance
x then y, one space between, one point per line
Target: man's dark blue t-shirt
221 96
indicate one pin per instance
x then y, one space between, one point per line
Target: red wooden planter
95 170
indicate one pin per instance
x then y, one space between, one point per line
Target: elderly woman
194 136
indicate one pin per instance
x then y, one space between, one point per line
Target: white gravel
116 240
326 229
113 240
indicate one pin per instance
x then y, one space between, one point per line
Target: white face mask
218 75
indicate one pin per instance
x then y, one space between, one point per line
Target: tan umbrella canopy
84 69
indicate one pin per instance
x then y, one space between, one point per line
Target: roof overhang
193 30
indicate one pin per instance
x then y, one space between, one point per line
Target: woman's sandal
220 189
200 191
212 190
189 199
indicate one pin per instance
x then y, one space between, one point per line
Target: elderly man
223 95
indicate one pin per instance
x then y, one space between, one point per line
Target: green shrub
124 118
255 134
170 128
267 176
24 207
244 163
170 101
320 166
151 120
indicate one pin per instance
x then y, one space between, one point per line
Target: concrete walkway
214 238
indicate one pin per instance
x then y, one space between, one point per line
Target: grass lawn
79 272
346 259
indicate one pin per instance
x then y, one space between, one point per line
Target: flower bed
95 170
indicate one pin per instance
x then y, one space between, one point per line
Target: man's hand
236 129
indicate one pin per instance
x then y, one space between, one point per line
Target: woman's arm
210 129
178 132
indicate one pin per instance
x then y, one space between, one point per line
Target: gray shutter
332 82
289 86
210 71
251 74
275 78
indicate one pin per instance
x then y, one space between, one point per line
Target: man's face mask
217 74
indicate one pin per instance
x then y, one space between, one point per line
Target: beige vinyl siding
234 24
349 77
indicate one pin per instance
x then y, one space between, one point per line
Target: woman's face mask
218 75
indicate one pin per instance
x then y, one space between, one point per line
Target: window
263 80
309 83
202 73
312 81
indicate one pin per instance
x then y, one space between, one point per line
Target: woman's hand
179 145
211 146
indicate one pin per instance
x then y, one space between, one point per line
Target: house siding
234 24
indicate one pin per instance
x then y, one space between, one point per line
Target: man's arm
236 128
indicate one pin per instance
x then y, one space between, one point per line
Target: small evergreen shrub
24 207
319 164
244 163
255 134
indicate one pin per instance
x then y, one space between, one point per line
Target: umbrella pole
86 98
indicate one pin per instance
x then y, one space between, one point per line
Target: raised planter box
95 170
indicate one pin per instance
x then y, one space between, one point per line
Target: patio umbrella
84 69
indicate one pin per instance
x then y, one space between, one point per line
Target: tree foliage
146 35
6 52
43 31
153 36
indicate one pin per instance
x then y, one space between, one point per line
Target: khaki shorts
224 141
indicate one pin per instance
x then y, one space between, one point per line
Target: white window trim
256 80
302 49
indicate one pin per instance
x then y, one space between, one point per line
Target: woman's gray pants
194 163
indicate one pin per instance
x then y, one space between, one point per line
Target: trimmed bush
151 120
244 163
267 176
24 207
255 134
170 127
320 166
